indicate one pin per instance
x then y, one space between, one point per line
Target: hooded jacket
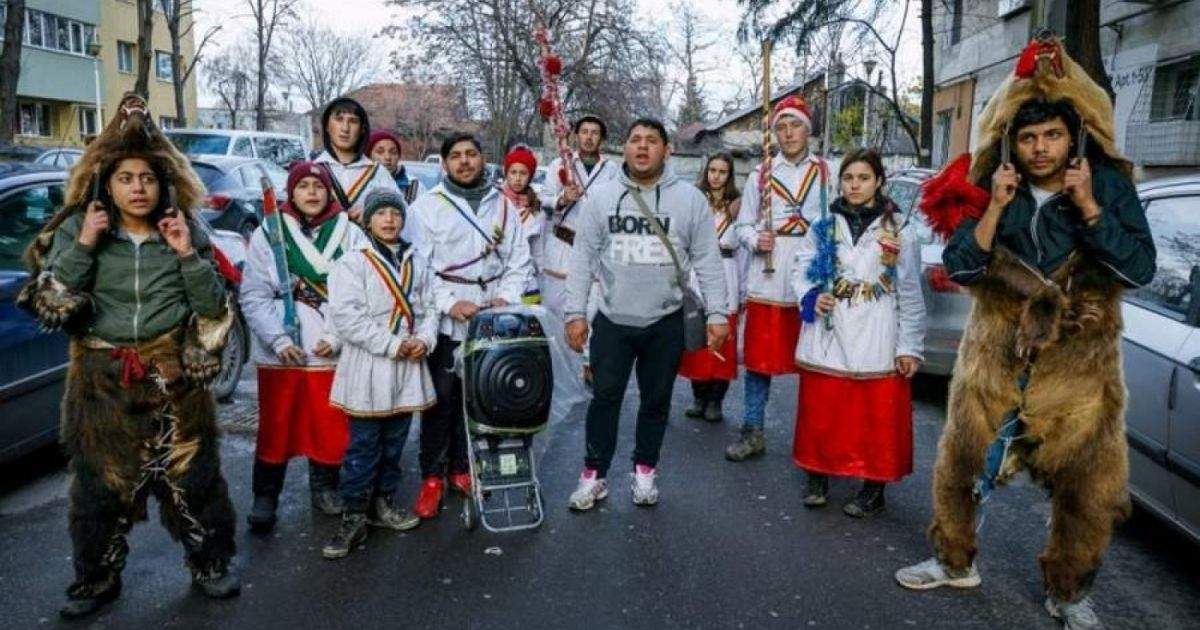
360 176
638 280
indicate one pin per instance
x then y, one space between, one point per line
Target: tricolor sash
796 223
493 240
398 284
348 197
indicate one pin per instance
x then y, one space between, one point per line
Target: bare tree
323 63
10 68
180 16
1082 39
145 46
268 16
228 76
925 148
692 38
609 63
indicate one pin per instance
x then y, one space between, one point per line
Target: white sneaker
932 574
591 489
645 492
1075 616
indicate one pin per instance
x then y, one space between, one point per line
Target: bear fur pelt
1065 330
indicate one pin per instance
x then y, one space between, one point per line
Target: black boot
716 396
869 500
267 483
86 599
699 398
816 493
220 581
322 485
351 534
262 514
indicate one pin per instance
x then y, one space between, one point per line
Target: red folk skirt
703 365
295 417
854 427
772 332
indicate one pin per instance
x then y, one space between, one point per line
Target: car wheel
233 357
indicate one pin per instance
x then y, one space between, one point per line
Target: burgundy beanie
382 134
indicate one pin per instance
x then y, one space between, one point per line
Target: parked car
279 148
428 173
63 158
946 303
434 158
234 191
1161 356
32 374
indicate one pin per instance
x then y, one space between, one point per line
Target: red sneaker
429 501
461 482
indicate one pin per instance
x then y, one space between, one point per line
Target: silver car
1161 353
946 303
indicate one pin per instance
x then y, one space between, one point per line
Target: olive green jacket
139 292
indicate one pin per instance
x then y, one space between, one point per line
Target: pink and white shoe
645 491
591 488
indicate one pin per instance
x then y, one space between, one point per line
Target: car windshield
197 143
213 178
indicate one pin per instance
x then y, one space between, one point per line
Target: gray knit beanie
377 199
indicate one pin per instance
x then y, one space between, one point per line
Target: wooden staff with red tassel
550 104
764 174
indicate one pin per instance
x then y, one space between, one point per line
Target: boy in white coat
381 304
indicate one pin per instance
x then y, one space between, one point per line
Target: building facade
77 58
1150 51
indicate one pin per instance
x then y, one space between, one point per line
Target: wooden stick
764 175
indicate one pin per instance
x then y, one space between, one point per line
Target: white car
279 148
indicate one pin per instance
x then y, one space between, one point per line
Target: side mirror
1193 312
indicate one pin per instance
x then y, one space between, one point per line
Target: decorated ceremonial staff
550 105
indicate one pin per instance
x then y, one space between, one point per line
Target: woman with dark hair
858 273
128 274
711 372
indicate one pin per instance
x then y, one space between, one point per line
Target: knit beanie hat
795 106
380 135
521 155
378 199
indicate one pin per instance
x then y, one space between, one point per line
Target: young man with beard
774 235
345 131
589 170
1046 243
472 242
640 319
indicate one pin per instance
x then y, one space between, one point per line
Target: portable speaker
507 373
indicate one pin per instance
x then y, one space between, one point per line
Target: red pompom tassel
563 178
949 197
554 65
546 108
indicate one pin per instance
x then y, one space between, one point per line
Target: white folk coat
370 381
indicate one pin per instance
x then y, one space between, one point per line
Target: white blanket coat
867 335
370 381
776 288
448 233
262 305
348 174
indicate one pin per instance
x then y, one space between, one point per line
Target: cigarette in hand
718 355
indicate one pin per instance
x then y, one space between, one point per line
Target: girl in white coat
381 304
858 275
294 375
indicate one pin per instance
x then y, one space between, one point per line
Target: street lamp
93 49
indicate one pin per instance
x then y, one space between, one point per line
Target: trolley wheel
531 502
470 513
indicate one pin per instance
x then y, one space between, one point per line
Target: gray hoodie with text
615 243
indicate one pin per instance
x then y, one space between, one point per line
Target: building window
1176 87
166 122
125 57
87 121
942 130
43 30
163 68
35 119
956 21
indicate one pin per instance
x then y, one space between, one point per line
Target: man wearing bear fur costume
126 271
1046 255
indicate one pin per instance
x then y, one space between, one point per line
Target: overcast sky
367 17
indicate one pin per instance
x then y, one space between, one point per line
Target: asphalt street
729 546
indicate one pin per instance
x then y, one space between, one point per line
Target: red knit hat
299 171
521 155
379 135
793 105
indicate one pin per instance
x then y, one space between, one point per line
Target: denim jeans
758 390
372 462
